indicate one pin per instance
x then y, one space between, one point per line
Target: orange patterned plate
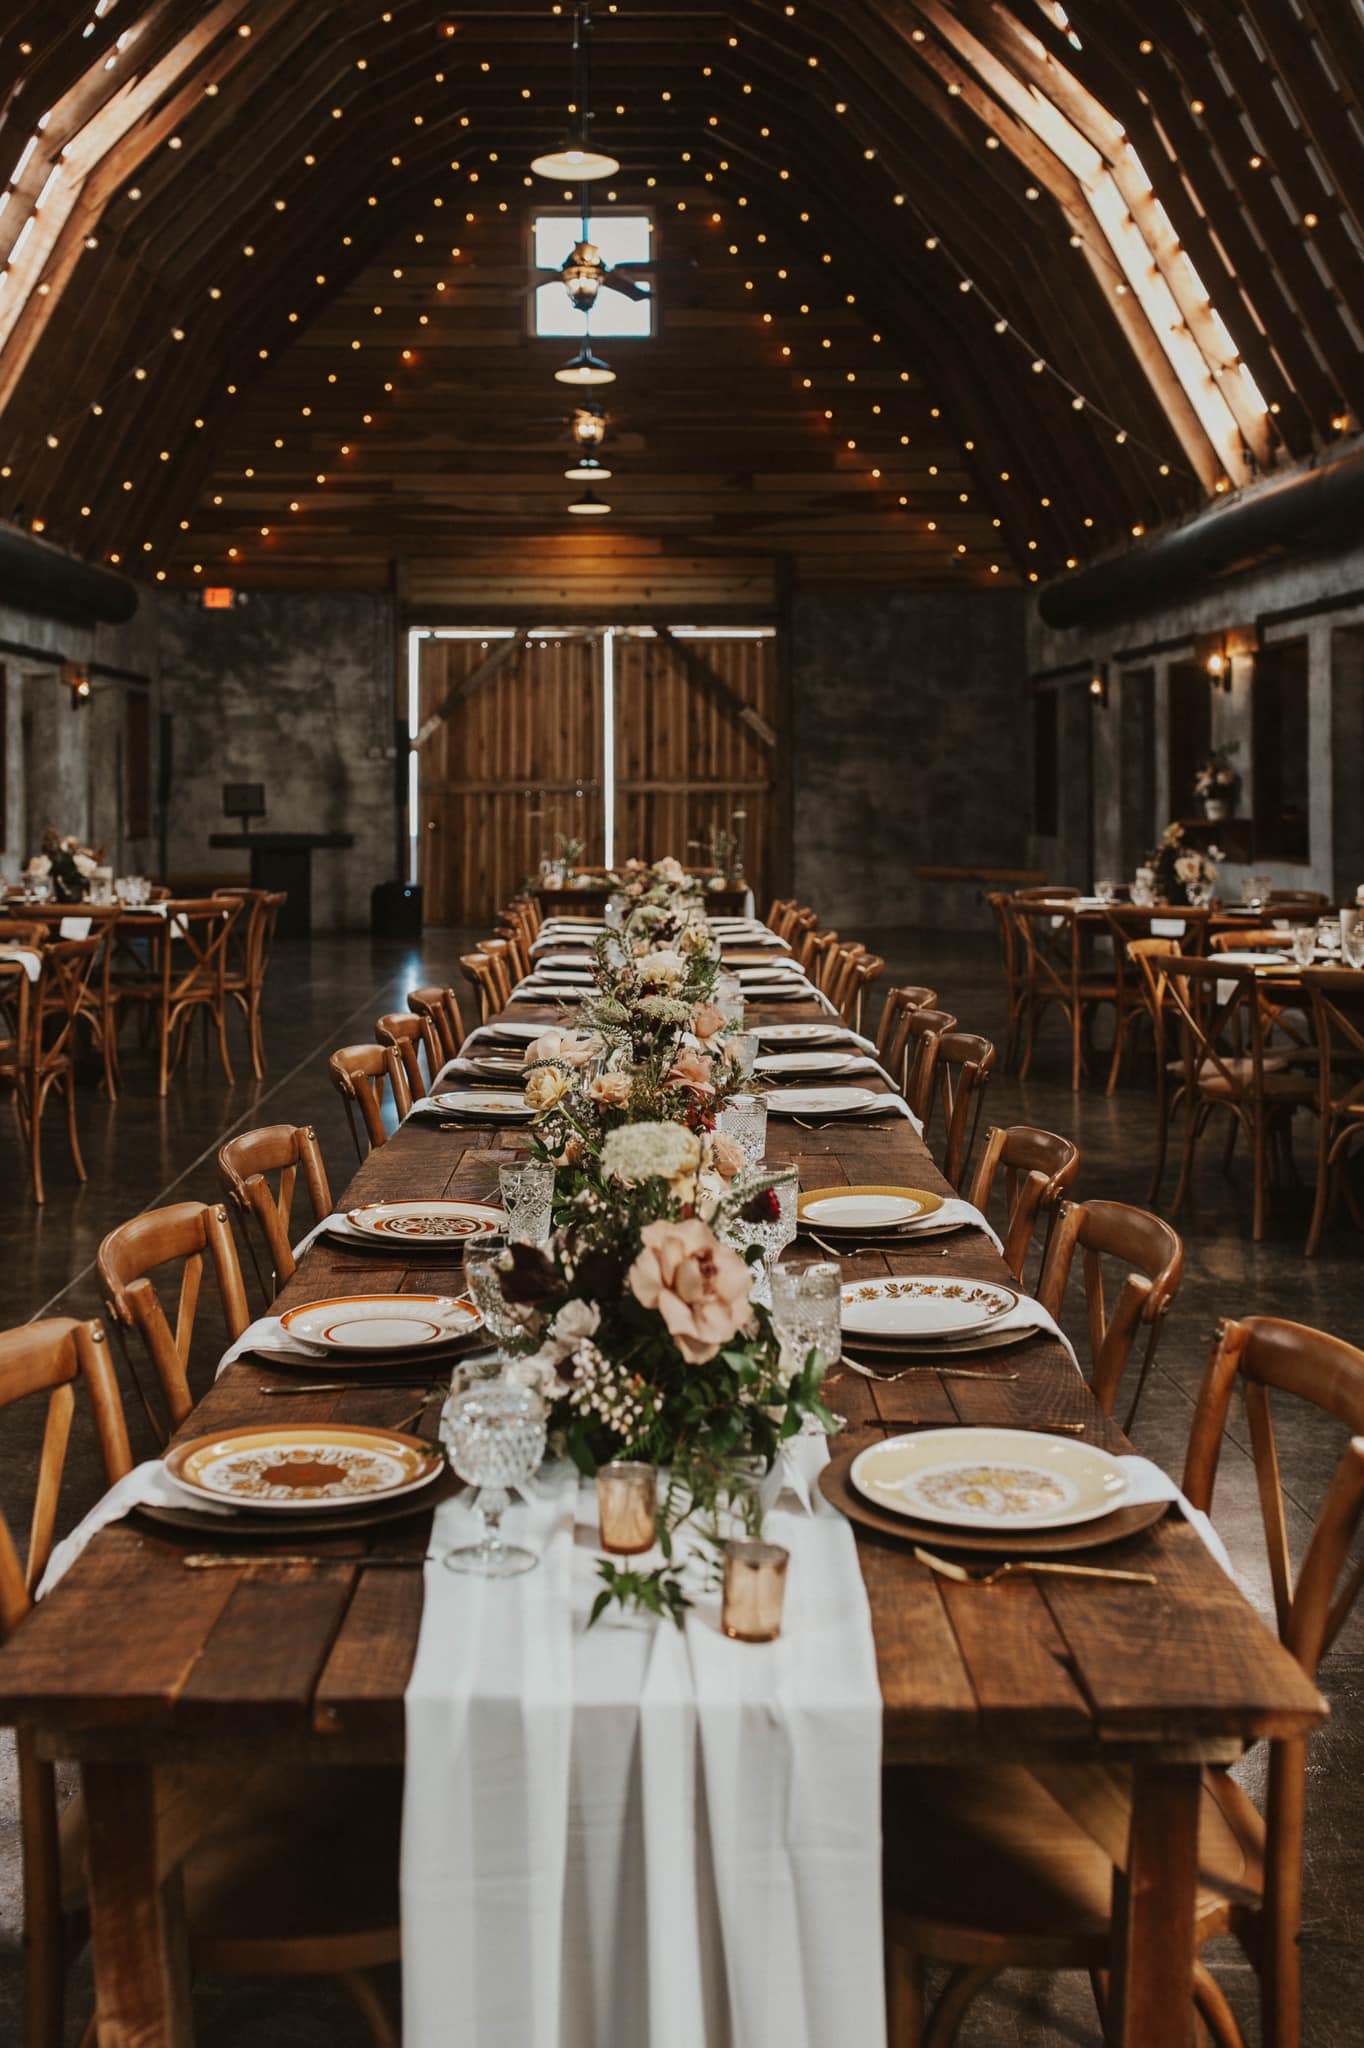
302 1468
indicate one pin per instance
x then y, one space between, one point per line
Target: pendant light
589 505
589 425
575 161
585 368
587 470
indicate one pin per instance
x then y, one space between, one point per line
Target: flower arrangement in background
1217 784
1183 874
724 851
65 864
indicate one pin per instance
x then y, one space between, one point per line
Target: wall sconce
77 679
1215 652
1098 688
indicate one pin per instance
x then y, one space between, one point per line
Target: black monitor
244 800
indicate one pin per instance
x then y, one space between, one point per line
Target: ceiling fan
583 274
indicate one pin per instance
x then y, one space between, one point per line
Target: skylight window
619 238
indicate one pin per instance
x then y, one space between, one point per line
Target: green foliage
658 1592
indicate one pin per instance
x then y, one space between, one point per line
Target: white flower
539 1372
647 1151
39 865
84 864
576 1320
663 969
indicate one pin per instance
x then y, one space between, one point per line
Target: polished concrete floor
142 1152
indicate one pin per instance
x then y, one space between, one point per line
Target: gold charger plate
837 1487
251 1526
925 1204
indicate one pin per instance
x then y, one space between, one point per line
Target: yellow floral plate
865 1208
302 1468
431 1222
915 1308
990 1478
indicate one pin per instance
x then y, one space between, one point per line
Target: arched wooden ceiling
956 291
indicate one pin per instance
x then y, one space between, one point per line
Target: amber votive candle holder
755 1591
627 1507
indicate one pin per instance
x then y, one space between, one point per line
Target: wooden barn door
696 740
510 749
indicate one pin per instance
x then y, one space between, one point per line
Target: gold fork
947 1372
946 1569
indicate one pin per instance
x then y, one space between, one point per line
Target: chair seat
300 1875
1007 1862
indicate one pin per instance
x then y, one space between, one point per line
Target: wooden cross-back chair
962 1066
814 954
1015 1868
262 1889
21 931
1182 930
440 1007
184 976
892 1035
1227 1063
1148 1253
478 972
411 1038
244 1163
53 1357
778 914
360 1075
515 953
923 1029
39 1057
497 952
250 946
1046 892
1039 1169
1058 974
1337 997
850 996
183 1233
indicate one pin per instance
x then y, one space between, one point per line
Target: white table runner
635 1837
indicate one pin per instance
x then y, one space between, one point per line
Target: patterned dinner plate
436 1222
819 1101
917 1307
865 1208
388 1323
296 1469
815 1062
499 1103
799 1034
990 1478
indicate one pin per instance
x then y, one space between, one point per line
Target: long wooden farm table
135 1667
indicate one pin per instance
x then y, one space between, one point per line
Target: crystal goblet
495 1436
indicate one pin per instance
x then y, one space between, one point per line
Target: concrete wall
911 739
1124 799
293 690
65 765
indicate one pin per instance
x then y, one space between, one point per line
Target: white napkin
270 1332
625 1838
533 990
1028 1314
1146 1481
895 1103
32 963
74 928
854 1066
1169 927
145 1486
426 1106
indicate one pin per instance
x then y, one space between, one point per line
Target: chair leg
69 1084
254 1035
221 1019
365 1995
1077 1046
963 1987
1212 2008
904 1996
1259 1138
35 1137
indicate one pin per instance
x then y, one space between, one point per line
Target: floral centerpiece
1182 873
651 1047
723 848
66 864
1216 783
640 1333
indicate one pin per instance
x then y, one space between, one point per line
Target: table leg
136 1915
1150 2002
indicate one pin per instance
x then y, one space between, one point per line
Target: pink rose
727 1155
698 1285
692 1070
612 1091
709 1020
